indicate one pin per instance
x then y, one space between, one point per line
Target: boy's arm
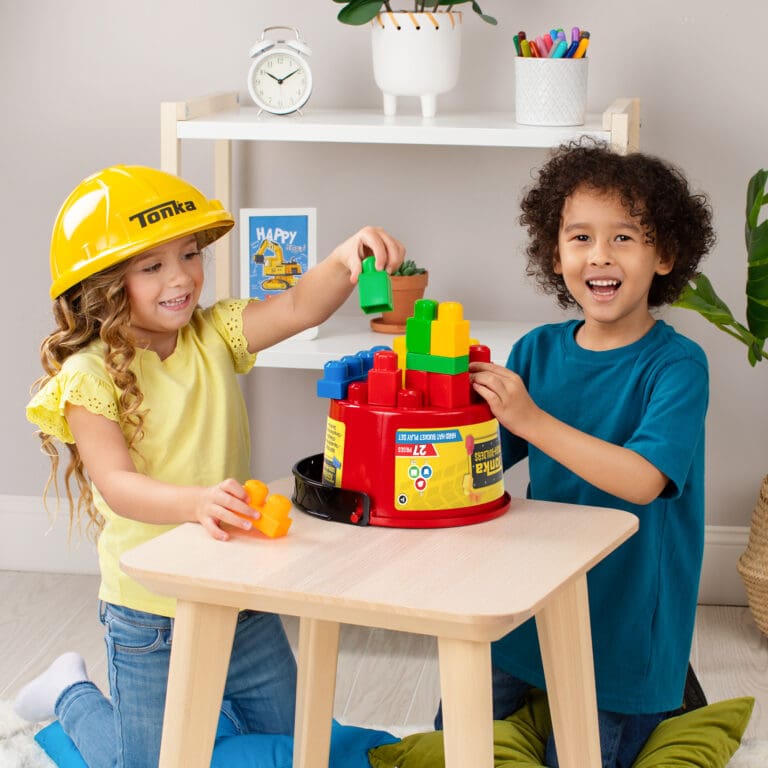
138 497
612 468
321 291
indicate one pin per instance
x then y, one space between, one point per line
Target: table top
474 582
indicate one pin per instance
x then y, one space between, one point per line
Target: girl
141 384
609 410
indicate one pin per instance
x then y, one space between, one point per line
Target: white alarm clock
280 80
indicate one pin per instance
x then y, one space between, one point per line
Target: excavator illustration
279 274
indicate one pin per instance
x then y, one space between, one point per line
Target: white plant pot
416 54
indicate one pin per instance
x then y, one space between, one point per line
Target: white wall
82 82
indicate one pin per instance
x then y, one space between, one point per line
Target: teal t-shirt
650 397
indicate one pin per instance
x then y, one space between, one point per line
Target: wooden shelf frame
222 119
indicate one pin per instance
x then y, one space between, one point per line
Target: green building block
375 288
418 329
436 364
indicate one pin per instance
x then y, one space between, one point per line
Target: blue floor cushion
349 747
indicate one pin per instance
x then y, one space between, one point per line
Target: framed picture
277 247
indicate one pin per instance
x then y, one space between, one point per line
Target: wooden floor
384 678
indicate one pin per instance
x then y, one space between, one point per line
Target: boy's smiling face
608 264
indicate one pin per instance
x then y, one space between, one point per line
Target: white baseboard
30 543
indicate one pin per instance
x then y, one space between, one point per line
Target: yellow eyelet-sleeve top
195 431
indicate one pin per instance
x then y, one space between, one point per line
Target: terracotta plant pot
406 291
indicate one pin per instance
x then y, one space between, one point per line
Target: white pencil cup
550 91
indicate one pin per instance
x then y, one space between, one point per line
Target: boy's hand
224 503
505 394
370 241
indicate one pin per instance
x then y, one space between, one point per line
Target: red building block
419 381
448 390
384 379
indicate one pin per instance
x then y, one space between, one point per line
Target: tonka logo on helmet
162 211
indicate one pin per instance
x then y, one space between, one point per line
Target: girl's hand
506 395
223 503
370 241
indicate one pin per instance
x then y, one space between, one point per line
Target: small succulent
408 268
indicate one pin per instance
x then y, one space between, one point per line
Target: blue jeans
124 732
621 736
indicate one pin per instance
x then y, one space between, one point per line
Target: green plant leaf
700 296
756 198
756 237
359 11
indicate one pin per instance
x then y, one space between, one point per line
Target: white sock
36 699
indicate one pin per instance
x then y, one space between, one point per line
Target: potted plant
363 11
701 297
417 51
409 281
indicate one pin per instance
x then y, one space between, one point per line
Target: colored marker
526 46
575 34
558 50
534 49
581 50
571 50
542 47
516 41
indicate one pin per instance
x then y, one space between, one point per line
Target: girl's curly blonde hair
95 308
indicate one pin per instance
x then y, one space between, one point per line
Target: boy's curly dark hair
677 221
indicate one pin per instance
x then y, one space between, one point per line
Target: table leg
200 651
315 691
465 686
565 638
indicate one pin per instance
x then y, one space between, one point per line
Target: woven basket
753 563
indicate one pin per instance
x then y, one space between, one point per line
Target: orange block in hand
274 509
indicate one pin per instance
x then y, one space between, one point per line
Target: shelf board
483 129
342 335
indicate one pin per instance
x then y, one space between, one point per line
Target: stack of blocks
428 368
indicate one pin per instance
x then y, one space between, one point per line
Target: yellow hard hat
122 211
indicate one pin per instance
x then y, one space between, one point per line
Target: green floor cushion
518 741
703 738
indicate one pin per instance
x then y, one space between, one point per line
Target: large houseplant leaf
756 236
701 297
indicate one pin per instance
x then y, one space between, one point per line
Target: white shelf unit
222 119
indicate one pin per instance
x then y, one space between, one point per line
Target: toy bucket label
448 468
333 455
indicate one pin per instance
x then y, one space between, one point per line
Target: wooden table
467 586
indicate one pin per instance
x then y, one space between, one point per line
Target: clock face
280 81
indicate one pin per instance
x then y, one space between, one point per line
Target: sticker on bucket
333 456
448 468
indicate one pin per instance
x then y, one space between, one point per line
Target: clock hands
280 80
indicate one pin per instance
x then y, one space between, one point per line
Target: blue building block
339 374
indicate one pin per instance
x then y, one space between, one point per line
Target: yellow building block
450 331
274 510
399 348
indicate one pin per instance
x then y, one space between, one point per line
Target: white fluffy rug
18 749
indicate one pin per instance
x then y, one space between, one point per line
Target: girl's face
163 286
608 266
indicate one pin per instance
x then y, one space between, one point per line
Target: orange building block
450 331
273 508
